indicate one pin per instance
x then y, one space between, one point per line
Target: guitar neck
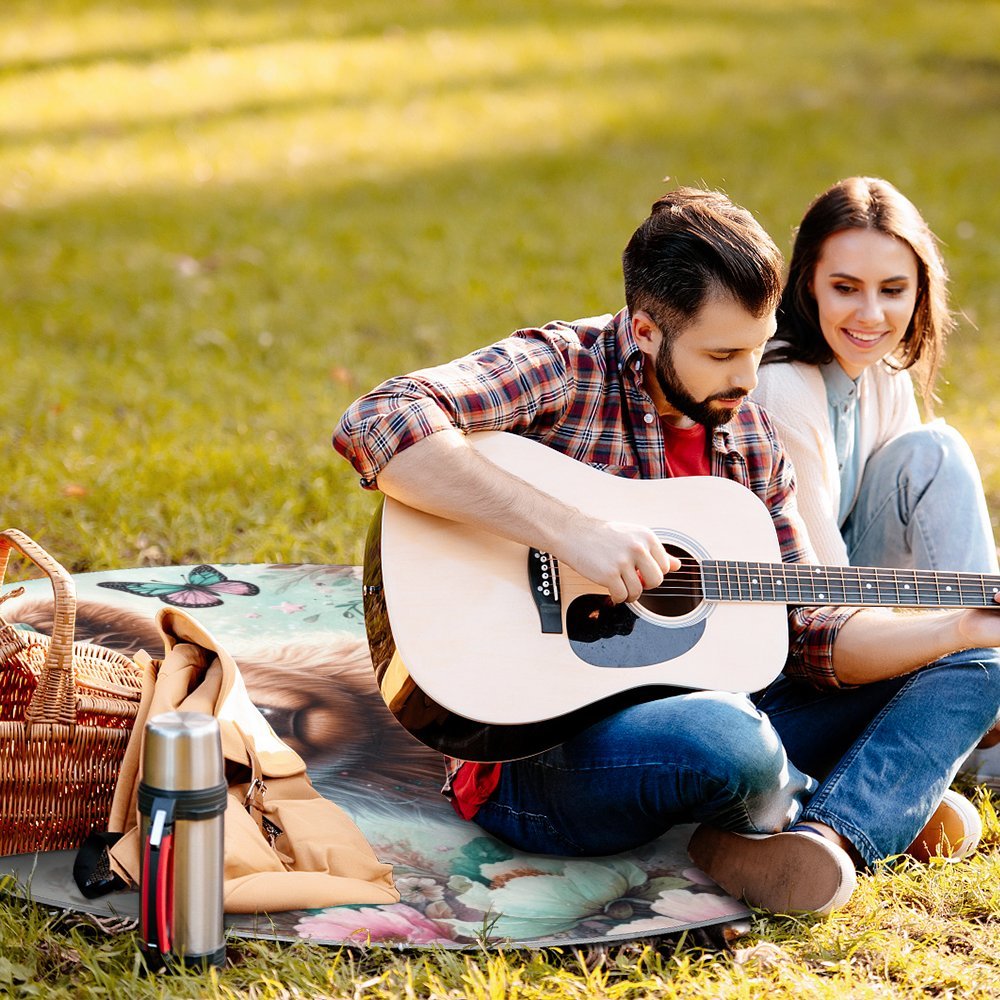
801 583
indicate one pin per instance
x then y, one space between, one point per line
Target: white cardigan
794 395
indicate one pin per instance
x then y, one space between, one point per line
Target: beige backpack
286 847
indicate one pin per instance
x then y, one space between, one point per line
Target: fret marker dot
753 579
947 588
823 596
780 582
868 586
906 586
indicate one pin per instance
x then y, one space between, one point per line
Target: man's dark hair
694 244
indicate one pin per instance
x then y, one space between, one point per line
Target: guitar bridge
543 578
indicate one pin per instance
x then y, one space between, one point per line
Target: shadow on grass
250 23
178 354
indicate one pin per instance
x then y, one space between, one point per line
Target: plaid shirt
577 387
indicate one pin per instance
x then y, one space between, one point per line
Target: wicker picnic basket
66 712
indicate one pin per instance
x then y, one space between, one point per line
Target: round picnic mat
297 633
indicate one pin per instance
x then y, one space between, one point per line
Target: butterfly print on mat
200 589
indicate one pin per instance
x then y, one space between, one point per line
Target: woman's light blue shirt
842 402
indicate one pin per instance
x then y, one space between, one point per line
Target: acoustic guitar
489 650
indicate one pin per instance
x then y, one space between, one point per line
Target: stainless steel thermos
182 801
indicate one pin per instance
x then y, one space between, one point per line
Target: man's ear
646 333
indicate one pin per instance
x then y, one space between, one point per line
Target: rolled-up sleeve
515 384
812 632
382 423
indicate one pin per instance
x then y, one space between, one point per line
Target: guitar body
474 662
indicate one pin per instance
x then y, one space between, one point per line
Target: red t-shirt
686 450
686 455
472 786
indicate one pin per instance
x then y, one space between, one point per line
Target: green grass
221 221
910 932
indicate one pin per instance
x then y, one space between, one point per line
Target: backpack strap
92 866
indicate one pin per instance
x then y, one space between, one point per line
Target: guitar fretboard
792 583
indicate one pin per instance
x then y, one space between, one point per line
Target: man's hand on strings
624 558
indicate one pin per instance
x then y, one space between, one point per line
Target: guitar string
688 581
681 582
859 600
810 572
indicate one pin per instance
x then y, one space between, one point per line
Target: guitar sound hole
680 593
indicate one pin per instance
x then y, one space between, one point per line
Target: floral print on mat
398 924
482 892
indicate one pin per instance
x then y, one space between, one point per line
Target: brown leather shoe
953 832
788 872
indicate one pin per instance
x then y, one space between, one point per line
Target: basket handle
54 700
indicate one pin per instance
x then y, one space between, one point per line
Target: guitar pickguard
612 635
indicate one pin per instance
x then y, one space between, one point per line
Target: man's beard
680 399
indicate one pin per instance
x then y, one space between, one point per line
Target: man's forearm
444 475
878 643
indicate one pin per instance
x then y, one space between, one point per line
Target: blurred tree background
223 220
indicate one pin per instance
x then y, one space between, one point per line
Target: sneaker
789 872
953 832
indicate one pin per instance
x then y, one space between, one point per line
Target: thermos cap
182 752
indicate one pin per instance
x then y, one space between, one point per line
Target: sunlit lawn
222 221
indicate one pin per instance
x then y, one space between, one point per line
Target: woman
865 304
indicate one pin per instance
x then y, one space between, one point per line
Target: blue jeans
921 506
872 761
696 756
884 753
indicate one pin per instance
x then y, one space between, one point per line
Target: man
853 748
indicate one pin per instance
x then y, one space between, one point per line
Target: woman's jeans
884 753
872 761
921 506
